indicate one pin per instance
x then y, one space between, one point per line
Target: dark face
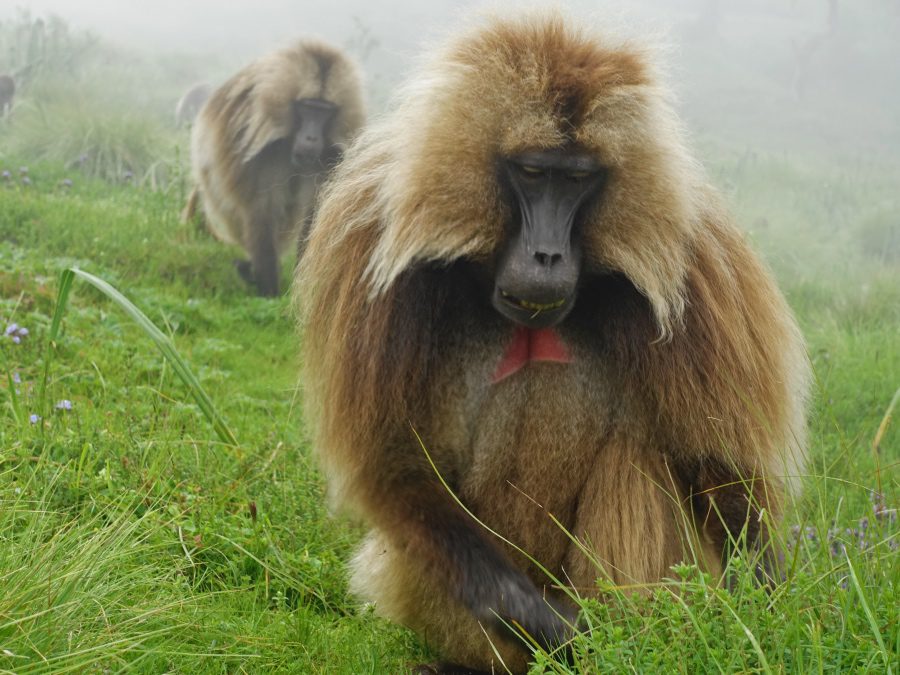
312 118
539 267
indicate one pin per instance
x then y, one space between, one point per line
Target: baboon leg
632 521
734 508
403 590
193 212
263 258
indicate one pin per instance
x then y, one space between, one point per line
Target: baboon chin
520 284
262 145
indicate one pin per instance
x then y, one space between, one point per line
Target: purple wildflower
880 508
34 418
26 180
128 175
17 378
66 182
23 170
6 175
15 332
65 404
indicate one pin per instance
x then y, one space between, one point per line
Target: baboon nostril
547 259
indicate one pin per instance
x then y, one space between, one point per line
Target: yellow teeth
534 306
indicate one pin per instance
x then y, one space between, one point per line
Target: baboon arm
263 256
421 517
735 506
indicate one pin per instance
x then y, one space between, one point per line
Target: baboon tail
190 209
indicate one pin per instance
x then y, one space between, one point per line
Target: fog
812 76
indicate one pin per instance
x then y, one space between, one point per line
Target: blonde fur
686 397
246 190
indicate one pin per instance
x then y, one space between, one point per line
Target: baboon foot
445 669
266 286
245 270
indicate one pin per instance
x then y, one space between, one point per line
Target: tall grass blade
873 623
62 299
763 662
161 339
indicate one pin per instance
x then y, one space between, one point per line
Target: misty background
807 75
792 105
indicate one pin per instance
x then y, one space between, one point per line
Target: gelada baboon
7 91
189 105
262 144
523 266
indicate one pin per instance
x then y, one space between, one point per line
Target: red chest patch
542 344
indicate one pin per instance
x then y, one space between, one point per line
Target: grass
133 538
178 552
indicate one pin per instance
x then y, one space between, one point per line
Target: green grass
132 537
211 557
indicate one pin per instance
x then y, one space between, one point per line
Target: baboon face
539 264
312 119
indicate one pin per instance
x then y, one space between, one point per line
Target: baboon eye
530 170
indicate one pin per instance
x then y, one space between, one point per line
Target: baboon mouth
532 306
307 161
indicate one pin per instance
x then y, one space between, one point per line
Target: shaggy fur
251 192
7 92
682 415
189 105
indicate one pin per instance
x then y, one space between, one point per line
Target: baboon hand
520 608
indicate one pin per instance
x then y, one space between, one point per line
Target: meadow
133 537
